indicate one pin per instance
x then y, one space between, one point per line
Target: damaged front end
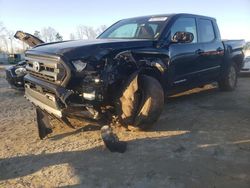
87 87
50 86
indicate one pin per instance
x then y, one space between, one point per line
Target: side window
206 30
185 25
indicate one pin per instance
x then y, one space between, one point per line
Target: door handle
199 51
219 49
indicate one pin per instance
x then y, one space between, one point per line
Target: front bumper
45 102
45 95
55 99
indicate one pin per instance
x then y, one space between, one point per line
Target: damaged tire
141 102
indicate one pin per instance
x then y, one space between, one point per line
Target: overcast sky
233 16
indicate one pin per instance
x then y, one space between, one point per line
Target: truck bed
234 51
234 44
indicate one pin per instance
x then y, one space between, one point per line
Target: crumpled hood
94 48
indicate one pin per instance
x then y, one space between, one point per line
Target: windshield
136 28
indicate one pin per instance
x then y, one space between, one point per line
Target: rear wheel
229 81
142 106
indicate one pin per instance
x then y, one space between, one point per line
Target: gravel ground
202 139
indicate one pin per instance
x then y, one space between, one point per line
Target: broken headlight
79 65
89 96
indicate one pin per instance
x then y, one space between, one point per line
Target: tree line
8 44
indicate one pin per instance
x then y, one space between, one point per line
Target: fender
158 59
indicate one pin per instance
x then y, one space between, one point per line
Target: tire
146 104
229 81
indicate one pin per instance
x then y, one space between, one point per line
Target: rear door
212 53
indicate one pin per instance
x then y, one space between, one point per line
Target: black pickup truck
129 69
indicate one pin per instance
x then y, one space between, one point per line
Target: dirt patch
202 139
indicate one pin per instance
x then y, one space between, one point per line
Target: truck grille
46 67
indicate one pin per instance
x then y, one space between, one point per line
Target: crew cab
129 70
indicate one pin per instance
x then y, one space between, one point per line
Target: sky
233 16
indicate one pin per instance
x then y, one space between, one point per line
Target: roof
172 15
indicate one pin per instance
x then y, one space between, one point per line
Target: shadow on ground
163 161
202 148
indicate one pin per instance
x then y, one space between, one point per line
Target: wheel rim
232 77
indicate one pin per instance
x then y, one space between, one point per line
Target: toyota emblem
36 66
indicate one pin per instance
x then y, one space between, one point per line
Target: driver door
184 57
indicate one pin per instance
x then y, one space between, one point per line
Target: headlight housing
20 71
79 65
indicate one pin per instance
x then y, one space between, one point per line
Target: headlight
79 65
20 71
89 96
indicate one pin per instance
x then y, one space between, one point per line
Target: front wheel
143 104
229 81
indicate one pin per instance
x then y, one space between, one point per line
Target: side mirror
183 37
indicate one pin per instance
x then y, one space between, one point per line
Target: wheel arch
236 57
150 62
238 60
155 73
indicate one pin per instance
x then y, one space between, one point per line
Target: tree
37 34
48 34
59 37
100 29
3 41
10 36
85 32
2 28
72 36
6 39
248 45
8 44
